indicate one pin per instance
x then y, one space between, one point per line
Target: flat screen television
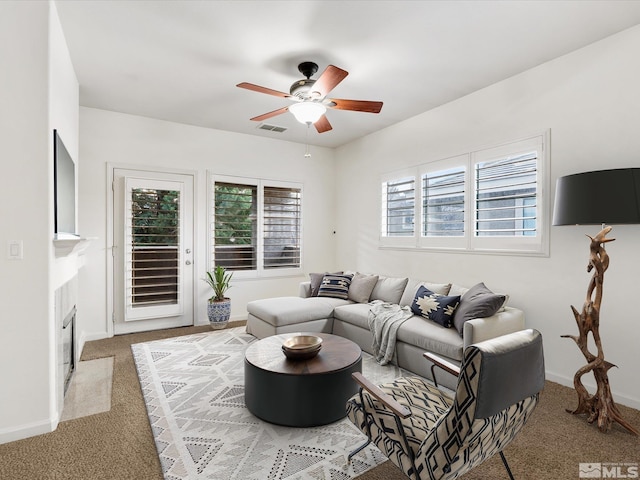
64 178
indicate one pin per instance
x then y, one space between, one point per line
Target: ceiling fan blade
356 105
264 116
329 79
259 89
323 125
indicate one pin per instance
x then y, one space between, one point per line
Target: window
256 226
490 200
506 196
398 203
509 197
443 203
281 221
154 240
235 228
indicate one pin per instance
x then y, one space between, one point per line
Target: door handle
188 262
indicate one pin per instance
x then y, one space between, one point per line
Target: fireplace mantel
67 244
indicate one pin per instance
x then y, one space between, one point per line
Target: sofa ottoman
273 316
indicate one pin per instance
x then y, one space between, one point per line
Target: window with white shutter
155 239
491 201
443 200
235 225
505 196
281 227
509 197
256 226
152 244
398 207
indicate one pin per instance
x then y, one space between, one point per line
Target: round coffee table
300 393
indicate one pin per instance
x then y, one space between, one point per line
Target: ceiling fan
311 97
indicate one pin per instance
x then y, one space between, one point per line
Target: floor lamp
597 198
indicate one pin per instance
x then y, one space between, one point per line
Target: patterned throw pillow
316 280
439 308
335 286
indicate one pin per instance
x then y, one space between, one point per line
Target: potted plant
219 306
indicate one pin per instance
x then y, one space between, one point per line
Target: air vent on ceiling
271 128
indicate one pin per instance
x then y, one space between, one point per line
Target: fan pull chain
307 153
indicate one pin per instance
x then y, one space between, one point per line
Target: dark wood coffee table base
300 393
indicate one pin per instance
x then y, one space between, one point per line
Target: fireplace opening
68 346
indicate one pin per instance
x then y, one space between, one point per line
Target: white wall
35 67
127 140
63 117
591 102
24 332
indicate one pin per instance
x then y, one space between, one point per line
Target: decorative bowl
302 347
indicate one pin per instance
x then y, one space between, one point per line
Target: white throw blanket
384 321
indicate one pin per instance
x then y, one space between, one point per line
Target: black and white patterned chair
430 435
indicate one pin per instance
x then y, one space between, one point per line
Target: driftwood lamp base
599 407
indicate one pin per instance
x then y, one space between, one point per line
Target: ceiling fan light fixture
308 112
310 97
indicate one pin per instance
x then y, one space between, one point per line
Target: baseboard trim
568 382
27 430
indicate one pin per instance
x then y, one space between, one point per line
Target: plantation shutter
235 223
154 243
398 201
506 196
443 194
282 210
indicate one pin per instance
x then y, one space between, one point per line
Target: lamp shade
307 112
599 197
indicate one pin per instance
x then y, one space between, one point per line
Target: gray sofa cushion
389 289
431 337
457 289
361 287
316 280
416 331
355 314
281 311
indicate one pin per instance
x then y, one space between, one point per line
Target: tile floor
89 391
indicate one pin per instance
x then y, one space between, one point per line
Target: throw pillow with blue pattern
335 286
439 308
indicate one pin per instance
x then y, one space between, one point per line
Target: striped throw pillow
335 286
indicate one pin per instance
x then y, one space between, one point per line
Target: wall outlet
14 249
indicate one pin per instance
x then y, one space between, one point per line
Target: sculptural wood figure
599 407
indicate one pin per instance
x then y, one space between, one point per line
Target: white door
152 250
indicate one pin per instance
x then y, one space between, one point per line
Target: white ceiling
181 60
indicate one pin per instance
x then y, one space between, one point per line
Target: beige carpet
118 445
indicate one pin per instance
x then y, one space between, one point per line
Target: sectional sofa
315 311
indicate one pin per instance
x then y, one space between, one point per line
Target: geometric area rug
193 387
